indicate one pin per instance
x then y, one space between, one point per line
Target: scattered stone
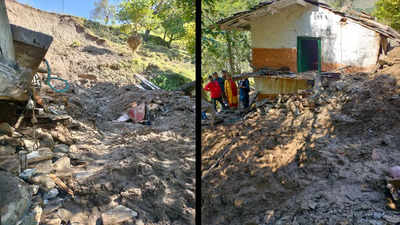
62 134
27 174
53 205
5 128
61 148
117 215
139 222
61 164
39 155
6 150
44 181
145 168
51 194
46 140
43 167
34 189
392 218
73 148
10 163
29 144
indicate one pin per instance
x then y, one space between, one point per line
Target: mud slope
76 50
308 160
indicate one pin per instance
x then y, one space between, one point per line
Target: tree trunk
165 36
230 55
171 38
146 35
6 40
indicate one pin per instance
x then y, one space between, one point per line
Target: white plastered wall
345 43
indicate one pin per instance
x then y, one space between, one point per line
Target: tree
139 13
103 11
173 27
388 12
229 50
190 37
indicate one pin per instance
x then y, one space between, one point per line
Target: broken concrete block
15 197
61 148
61 164
117 215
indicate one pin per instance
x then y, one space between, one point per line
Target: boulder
15 198
118 215
61 148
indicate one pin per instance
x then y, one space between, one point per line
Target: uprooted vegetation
85 167
308 159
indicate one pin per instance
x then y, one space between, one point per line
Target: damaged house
307 35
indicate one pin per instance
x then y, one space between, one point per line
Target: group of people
225 91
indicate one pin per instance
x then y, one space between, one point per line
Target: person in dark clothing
221 82
216 93
244 89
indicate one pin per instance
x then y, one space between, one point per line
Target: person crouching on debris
216 92
231 91
244 86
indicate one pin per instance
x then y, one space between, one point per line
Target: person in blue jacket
244 89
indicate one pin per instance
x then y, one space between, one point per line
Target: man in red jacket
216 92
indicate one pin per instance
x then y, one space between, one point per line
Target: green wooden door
308 54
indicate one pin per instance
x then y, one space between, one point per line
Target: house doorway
308 54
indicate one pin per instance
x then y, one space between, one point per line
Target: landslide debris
82 166
308 159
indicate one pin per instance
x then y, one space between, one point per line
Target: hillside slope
77 50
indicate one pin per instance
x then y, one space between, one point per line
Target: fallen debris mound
81 166
308 159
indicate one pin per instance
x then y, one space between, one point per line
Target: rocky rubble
84 167
308 159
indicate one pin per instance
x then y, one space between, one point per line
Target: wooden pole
6 40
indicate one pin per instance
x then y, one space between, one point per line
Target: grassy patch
169 68
168 80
